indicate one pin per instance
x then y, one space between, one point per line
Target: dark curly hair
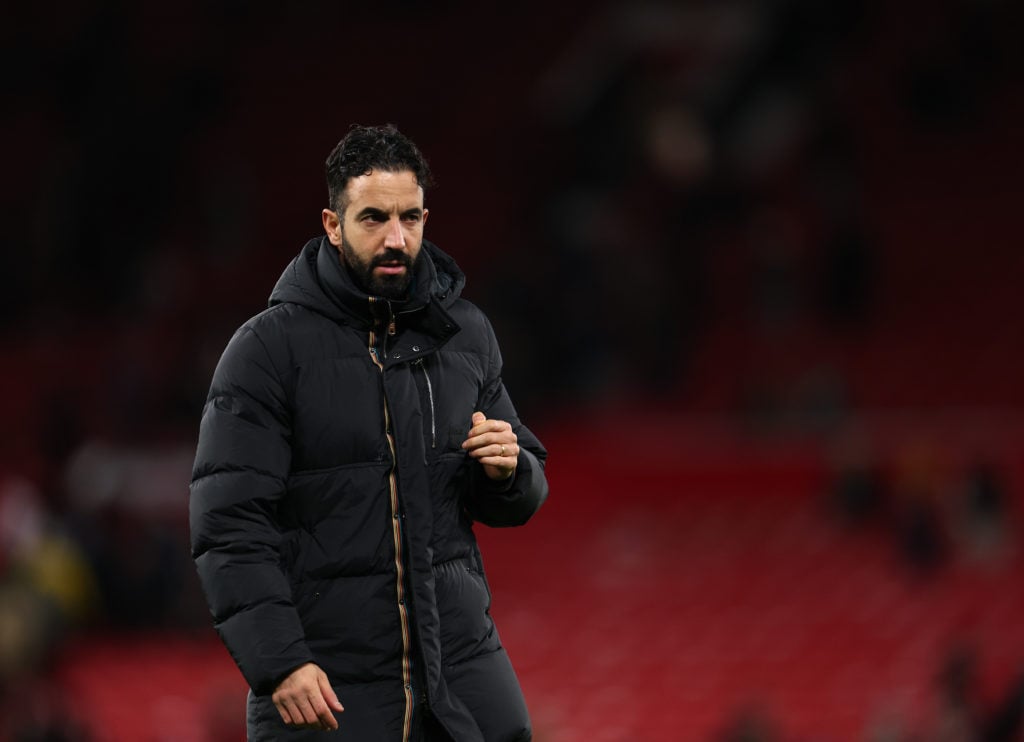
367 148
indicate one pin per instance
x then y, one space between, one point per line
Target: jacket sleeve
242 462
513 502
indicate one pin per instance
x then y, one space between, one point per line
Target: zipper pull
391 319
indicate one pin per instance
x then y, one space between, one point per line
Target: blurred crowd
687 175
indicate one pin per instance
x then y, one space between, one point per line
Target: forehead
385 190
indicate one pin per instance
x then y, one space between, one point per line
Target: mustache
392 255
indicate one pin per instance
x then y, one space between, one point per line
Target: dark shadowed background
755 267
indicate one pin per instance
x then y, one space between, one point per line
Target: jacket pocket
464 608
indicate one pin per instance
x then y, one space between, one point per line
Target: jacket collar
317 279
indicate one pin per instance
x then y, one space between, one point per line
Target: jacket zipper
396 535
430 397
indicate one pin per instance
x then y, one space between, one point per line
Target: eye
411 218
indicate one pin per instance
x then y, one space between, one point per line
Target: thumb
478 417
329 695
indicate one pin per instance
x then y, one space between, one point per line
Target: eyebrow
374 211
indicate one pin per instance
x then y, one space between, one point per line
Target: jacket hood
316 279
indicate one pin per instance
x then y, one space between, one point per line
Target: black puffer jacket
332 505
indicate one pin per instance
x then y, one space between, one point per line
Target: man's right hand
306 700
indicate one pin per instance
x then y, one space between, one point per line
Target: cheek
360 242
414 236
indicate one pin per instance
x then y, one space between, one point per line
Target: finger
505 463
304 712
320 706
481 424
294 714
283 710
494 445
498 433
491 449
323 714
479 427
329 695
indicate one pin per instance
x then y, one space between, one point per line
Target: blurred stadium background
755 266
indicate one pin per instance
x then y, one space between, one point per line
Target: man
353 433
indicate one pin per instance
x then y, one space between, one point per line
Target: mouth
390 268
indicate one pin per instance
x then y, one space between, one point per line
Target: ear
426 213
332 226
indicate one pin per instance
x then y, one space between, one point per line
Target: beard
386 286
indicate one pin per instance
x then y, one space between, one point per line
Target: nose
394 237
